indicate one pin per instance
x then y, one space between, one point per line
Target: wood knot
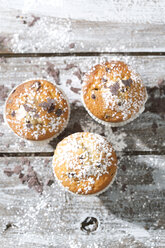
89 225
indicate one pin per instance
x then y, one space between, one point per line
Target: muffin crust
84 163
113 92
37 110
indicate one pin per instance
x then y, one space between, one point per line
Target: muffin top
113 92
37 110
84 163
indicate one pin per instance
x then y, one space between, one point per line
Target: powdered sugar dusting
85 157
46 34
37 110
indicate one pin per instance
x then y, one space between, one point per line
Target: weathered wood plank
129 214
102 27
144 134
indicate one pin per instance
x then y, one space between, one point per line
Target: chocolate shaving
75 90
69 66
78 73
3 92
68 82
8 172
127 82
55 73
114 88
1 118
59 112
17 169
13 113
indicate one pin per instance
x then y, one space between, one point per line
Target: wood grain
130 213
144 134
21 32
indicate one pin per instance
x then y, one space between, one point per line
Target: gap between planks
80 54
50 154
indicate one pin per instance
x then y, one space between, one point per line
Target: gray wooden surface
36 37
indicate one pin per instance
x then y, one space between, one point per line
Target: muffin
85 163
113 94
37 110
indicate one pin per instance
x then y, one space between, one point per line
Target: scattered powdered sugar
46 34
117 139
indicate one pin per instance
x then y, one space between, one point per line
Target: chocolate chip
119 103
96 89
93 96
107 69
13 113
104 80
49 105
106 116
44 105
127 82
122 90
37 85
71 174
51 108
114 88
8 172
59 112
28 108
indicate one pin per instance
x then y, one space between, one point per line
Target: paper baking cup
115 124
84 195
42 142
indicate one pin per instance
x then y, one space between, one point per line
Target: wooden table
36 40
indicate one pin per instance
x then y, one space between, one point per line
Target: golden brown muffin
113 93
37 110
85 163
